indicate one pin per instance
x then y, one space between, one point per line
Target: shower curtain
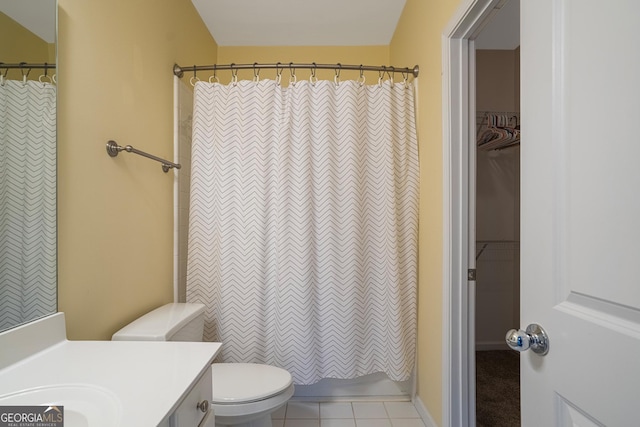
303 225
27 201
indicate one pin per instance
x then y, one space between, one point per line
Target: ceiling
503 30
300 22
38 16
292 22
331 22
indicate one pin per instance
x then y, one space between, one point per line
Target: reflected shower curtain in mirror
27 201
303 225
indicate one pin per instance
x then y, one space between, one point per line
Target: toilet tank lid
160 324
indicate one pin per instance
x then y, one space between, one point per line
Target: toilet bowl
244 394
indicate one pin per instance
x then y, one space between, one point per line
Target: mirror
28 258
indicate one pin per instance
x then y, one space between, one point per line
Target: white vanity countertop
149 378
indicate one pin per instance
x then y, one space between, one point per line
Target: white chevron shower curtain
27 201
303 225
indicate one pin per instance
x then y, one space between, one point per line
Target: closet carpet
497 388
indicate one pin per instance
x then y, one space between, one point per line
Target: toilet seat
237 383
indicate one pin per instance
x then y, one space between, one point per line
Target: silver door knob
204 405
534 337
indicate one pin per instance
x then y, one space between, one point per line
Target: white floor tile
347 414
336 410
301 423
401 410
369 410
407 422
337 422
303 410
371 422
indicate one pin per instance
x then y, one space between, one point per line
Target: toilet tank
171 322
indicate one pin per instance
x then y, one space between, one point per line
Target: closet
497 307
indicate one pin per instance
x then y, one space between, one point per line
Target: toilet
244 394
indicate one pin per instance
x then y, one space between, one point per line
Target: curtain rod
179 70
23 65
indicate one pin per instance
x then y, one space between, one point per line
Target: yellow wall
418 39
17 44
498 83
354 55
115 215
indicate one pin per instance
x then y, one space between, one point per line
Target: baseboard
491 345
363 388
424 413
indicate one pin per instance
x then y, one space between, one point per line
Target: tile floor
347 414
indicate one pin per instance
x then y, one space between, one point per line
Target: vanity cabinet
195 409
108 383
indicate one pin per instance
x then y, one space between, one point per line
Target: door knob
204 405
534 337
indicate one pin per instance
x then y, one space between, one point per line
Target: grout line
346 399
353 417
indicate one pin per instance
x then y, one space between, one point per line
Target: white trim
424 413
414 384
176 188
446 242
458 89
375 386
471 227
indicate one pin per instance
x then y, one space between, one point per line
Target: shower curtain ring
313 79
405 76
193 80
215 76
256 74
234 74
43 78
24 76
292 79
336 78
278 73
362 75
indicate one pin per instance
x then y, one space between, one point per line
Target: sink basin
85 405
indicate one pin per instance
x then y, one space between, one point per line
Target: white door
580 241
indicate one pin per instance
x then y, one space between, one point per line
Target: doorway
479 312
497 217
497 243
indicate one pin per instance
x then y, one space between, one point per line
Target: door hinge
471 274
